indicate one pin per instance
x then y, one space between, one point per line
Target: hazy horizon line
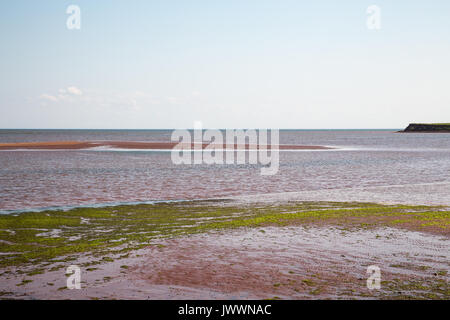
169 129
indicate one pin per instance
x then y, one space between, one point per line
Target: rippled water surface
364 159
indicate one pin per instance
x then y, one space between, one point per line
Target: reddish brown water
365 159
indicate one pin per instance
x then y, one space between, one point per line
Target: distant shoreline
428 128
171 129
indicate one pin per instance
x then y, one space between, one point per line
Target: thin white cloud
122 102
172 99
48 97
63 94
75 91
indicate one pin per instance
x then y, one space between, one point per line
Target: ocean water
396 165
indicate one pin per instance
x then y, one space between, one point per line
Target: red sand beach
293 262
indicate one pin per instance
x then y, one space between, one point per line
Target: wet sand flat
264 263
300 263
219 251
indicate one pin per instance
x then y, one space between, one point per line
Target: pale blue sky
246 63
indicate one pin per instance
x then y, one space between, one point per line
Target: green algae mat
45 238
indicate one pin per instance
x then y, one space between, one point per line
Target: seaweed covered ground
139 251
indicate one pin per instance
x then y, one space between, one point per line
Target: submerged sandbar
80 145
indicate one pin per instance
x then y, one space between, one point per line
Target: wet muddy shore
223 250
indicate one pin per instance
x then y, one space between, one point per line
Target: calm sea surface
43 179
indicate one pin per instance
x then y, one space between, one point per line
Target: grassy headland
428 127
